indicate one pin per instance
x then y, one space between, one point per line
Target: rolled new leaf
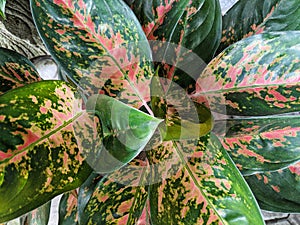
259 16
99 44
263 144
40 152
126 132
256 76
277 191
15 70
2 8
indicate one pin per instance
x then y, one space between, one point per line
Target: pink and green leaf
118 198
263 144
15 70
68 208
195 182
99 44
38 125
278 191
180 33
259 75
39 216
259 16
126 132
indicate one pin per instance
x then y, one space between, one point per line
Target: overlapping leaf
39 216
126 132
181 33
258 16
278 190
118 198
195 182
68 209
40 154
263 144
15 70
259 75
2 8
99 44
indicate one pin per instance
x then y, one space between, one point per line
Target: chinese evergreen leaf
184 118
39 216
263 144
258 16
2 8
68 208
179 30
118 198
15 70
99 44
195 182
126 132
259 75
279 190
38 125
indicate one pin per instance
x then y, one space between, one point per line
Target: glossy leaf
15 70
278 190
195 182
39 216
259 16
181 33
118 198
126 132
38 125
99 44
2 8
68 209
259 75
184 119
263 144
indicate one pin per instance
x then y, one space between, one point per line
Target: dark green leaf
39 216
258 75
263 144
99 44
15 70
41 145
278 191
258 16
181 33
126 132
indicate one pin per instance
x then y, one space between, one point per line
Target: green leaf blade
38 140
253 77
100 45
126 131
2 8
15 70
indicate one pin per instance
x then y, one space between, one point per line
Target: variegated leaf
195 182
99 44
259 16
178 32
40 155
39 216
259 75
279 190
126 132
263 144
118 198
15 70
68 208
2 8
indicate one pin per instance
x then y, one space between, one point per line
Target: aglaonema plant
133 135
